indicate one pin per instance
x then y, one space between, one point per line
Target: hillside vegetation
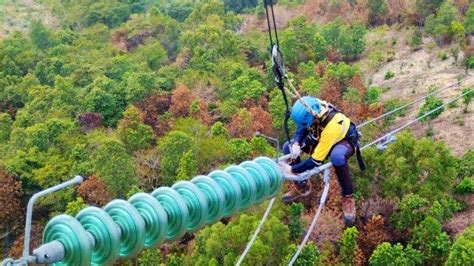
133 95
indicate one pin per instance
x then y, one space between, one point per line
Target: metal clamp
26 257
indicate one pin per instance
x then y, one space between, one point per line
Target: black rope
277 63
268 23
274 24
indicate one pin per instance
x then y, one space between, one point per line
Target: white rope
257 231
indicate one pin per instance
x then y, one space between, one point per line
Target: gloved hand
295 150
285 169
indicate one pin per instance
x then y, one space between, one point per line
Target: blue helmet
301 115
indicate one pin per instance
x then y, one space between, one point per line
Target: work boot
348 208
297 190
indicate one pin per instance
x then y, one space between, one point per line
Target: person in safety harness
324 131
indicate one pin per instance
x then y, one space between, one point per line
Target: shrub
431 241
462 250
443 56
75 206
416 39
296 224
431 103
390 74
466 186
411 211
172 147
467 97
240 150
349 245
466 164
387 255
309 256
372 95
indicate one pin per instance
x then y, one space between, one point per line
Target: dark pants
339 155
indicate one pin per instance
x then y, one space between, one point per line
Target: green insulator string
176 210
261 180
247 185
72 236
155 217
214 195
122 228
232 192
196 202
132 227
105 233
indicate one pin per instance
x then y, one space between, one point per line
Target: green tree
427 7
387 255
245 88
372 95
411 211
187 166
172 147
299 40
138 85
113 164
151 256
260 147
296 225
104 103
411 165
430 104
431 241
351 41
270 246
73 207
41 36
309 256
462 250
348 245
377 10
218 130
469 19
240 5
239 149
441 24
5 127
132 132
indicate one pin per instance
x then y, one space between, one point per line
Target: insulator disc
105 233
232 192
196 202
155 217
273 171
73 236
246 183
215 197
262 180
176 210
131 224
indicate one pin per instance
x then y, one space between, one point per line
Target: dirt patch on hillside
18 15
461 220
323 11
414 73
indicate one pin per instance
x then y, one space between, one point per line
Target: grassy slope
16 15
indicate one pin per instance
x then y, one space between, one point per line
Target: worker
321 132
